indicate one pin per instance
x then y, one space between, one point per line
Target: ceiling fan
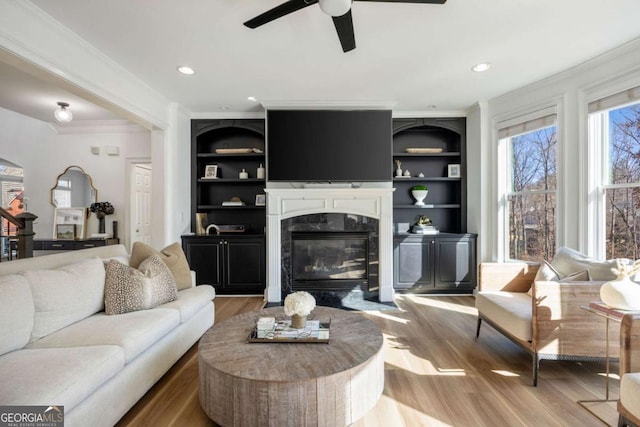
339 10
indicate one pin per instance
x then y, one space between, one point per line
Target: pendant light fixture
62 113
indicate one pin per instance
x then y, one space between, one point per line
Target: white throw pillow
65 295
568 261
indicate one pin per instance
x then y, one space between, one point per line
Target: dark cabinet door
205 258
455 261
245 262
413 262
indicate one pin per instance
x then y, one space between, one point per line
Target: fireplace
332 260
314 223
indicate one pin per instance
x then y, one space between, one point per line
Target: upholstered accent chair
542 314
629 402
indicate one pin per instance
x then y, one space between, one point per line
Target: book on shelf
232 203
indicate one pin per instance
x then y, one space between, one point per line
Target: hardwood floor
436 374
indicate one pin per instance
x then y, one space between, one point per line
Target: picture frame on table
65 231
453 171
261 199
71 216
210 172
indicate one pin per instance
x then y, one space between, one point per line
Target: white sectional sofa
58 347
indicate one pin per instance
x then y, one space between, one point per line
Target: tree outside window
532 195
622 191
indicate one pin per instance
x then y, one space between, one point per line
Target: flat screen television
329 145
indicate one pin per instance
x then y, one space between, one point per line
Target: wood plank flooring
436 374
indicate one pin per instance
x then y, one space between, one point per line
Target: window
11 199
615 134
529 199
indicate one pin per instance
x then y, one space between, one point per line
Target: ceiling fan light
62 113
335 7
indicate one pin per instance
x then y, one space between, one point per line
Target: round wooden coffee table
282 384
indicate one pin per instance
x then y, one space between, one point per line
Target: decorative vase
621 293
101 227
419 195
399 172
298 322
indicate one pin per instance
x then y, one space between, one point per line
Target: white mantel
283 203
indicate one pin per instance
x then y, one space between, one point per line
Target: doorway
140 202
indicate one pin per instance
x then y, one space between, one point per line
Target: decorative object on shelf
260 172
420 175
453 171
76 216
101 209
299 305
234 150
423 150
243 174
261 199
210 172
407 174
622 293
65 231
424 226
235 201
398 168
419 192
201 223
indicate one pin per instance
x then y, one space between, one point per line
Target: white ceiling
417 56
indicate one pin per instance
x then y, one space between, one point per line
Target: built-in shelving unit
445 262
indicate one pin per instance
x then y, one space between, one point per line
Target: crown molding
329 105
97 127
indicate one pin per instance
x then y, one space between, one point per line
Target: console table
71 245
299 384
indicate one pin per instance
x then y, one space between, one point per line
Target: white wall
44 154
570 92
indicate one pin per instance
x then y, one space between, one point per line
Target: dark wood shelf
443 154
428 206
426 178
220 207
230 180
240 155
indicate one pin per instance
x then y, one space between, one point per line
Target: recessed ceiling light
252 99
483 66
186 70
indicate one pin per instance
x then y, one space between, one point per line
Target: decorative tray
234 150
282 332
423 150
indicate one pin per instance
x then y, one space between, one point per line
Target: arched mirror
74 189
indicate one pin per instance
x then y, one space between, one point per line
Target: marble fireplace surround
284 203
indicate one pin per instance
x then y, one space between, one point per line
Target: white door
141 203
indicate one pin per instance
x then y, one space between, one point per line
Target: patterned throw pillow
173 256
128 289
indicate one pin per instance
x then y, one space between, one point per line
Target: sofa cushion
511 311
57 376
65 295
567 261
172 255
191 300
16 313
134 332
128 289
630 392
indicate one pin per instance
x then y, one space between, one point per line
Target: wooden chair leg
536 367
478 327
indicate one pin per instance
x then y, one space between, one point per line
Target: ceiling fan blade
344 27
278 12
409 1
